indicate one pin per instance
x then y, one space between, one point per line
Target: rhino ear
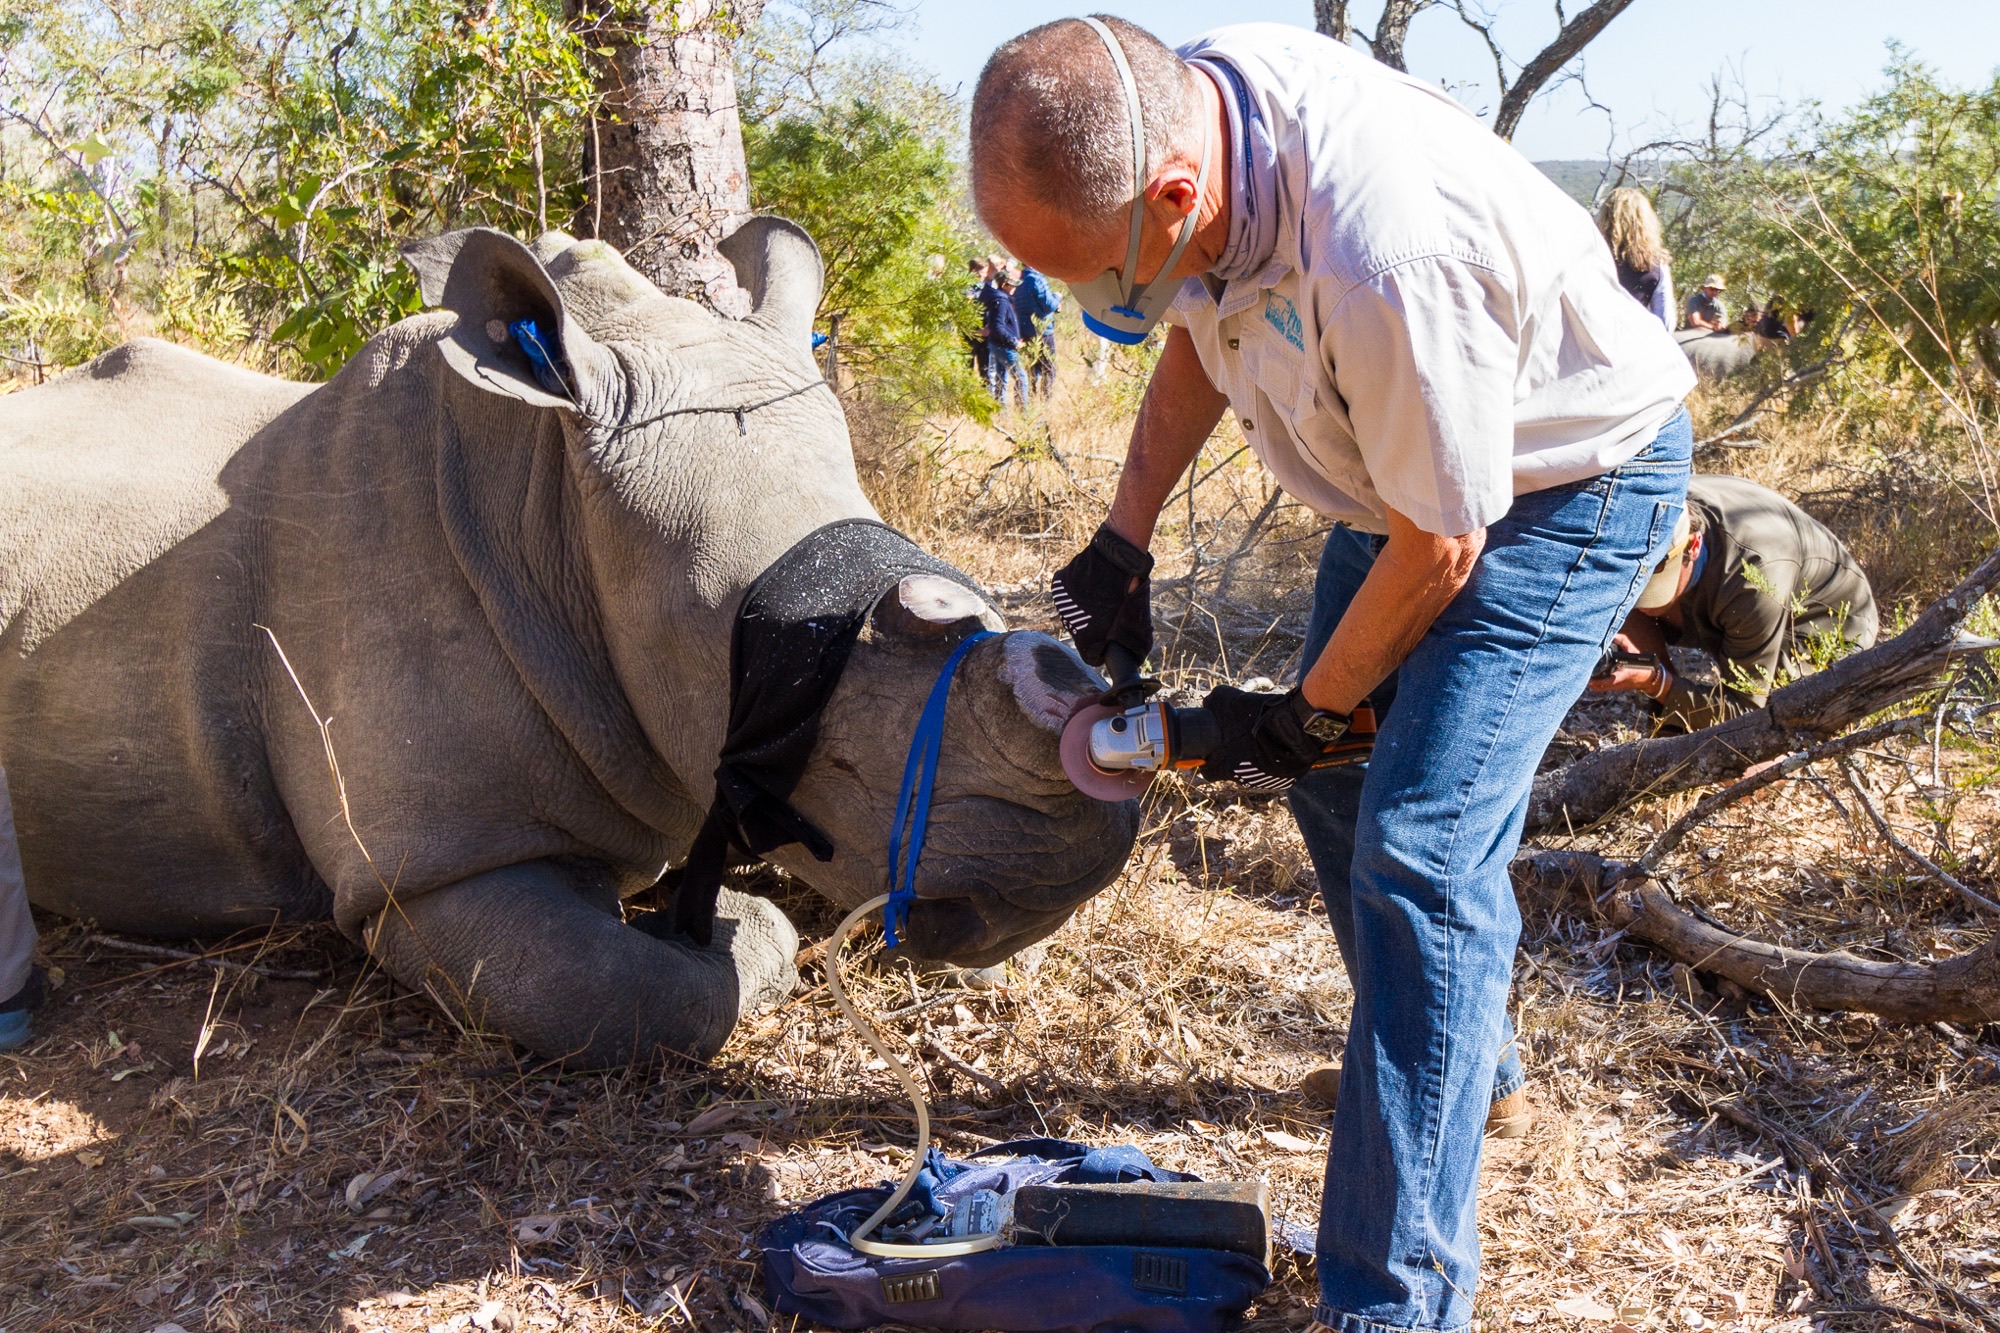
430 259
514 336
778 264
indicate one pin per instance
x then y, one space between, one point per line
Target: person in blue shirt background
1035 304
1002 330
976 266
21 982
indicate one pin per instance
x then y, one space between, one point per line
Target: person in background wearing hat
1704 305
1004 336
1752 580
982 278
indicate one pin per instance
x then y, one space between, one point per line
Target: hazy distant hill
1577 178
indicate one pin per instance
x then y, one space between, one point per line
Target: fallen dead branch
1961 989
1814 709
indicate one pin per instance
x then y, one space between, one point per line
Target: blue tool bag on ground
811 1271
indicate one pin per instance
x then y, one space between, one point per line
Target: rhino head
682 500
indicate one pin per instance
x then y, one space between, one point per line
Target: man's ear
1173 191
513 337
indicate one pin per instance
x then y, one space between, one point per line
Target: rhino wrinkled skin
513 609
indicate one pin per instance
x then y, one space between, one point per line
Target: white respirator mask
1114 305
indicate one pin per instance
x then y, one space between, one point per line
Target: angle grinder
1113 749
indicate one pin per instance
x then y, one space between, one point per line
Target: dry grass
342 1156
1892 475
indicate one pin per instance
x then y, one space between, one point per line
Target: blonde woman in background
1632 229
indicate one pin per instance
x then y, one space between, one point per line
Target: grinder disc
1087 777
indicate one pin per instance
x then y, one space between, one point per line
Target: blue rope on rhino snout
913 802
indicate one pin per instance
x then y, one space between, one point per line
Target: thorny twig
979 1076
179 956
1648 863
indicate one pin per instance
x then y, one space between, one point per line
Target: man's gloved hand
1099 604
1265 745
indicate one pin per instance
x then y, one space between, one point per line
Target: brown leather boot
1509 1117
1323 1086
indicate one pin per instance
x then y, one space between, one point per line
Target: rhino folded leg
537 953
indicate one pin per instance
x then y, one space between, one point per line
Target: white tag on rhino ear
935 600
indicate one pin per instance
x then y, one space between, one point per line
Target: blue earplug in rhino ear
535 346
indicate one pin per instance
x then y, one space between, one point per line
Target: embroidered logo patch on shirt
1283 316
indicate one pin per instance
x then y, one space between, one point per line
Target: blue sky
1651 66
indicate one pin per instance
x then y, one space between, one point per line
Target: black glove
1264 743
1099 606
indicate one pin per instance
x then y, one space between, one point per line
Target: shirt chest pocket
1272 346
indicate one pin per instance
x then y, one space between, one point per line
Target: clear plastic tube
866 1031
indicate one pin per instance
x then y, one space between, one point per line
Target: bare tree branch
1576 34
1840 747
1391 33
1801 714
1972 897
1392 30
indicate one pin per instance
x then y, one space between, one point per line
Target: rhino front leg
537 953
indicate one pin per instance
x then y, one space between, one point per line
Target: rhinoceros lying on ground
514 605
1718 354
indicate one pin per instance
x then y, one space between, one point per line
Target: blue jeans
1412 856
1003 363
1042 362
17 924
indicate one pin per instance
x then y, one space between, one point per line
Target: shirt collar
1253 177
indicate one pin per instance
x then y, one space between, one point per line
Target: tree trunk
1330 17
1392 30
1961 989
1816 708
665 154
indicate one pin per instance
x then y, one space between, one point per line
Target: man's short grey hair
1049 117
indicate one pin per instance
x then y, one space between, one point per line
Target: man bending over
1424 340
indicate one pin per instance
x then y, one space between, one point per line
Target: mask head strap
1130 290
1135 118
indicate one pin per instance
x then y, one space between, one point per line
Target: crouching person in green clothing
1751 580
